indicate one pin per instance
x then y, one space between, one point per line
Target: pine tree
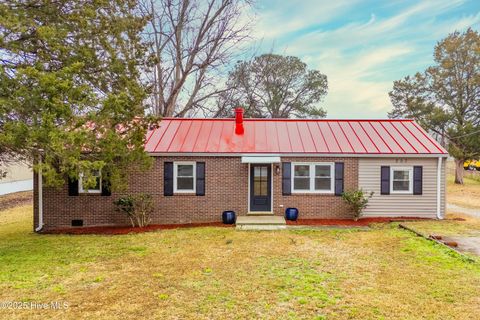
70 89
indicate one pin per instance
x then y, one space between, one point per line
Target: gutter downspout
439 187
40 199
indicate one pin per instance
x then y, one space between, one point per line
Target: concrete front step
261 223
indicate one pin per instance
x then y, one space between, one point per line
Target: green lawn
206 273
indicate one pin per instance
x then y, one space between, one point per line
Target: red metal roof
280 136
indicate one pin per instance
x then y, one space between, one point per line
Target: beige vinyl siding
392 205
16 171
18 177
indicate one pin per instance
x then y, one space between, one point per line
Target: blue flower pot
291 214
228 217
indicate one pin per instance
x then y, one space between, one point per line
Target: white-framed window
313 177
98 183
184 177
401 180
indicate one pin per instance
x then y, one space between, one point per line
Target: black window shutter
72 187
339 168
417 180
385 180
106 188
168 178
200 184
286 178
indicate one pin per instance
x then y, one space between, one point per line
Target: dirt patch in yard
15 199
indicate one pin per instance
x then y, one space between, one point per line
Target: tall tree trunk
459 171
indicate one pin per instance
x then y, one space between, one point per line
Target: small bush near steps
137 207
357 200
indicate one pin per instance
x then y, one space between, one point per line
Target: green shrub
357 200
137 207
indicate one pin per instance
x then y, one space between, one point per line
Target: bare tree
191 40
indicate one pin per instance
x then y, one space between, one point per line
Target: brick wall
314 205
226 185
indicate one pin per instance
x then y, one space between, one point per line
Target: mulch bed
112 230
16 199
348 222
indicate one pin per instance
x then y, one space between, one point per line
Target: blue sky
362 46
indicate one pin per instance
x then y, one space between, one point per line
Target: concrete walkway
252 222
471 212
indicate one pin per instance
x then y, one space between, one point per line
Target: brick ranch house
203 167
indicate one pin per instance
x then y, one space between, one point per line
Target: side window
401 180
97 188
184 177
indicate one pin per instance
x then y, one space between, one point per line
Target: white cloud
277 19
361 58
376 29
349 85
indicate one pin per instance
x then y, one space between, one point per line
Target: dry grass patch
466 195
15 199
206 273
13 219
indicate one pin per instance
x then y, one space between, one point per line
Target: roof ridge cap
288 119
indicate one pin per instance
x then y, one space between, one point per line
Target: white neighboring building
18 177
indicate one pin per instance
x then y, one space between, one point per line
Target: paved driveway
470 243
471 212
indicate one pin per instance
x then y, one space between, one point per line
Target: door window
260 181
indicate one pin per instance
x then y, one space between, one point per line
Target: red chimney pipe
239 120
